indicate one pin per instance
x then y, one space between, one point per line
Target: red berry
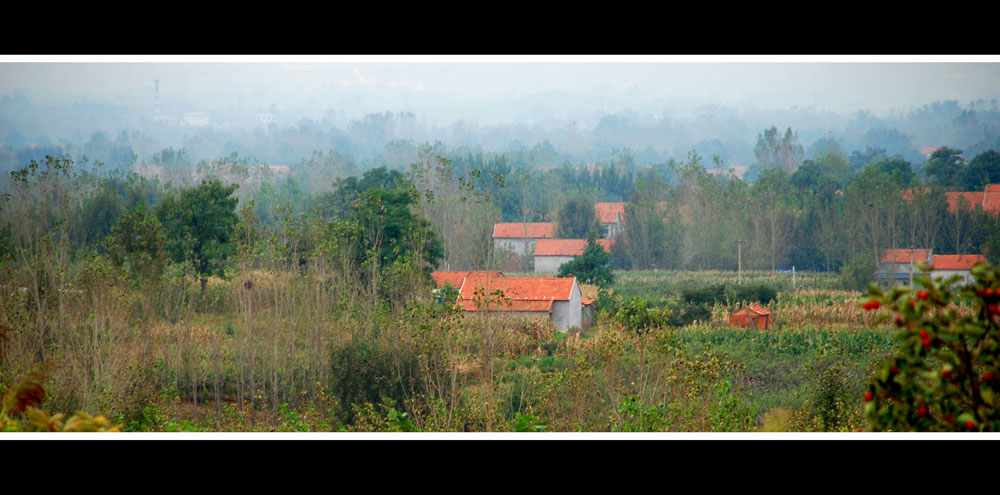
987 376
873 304
922 410
970 424
988 291
893 370
927 342
949 418
945 373
922 294
993 308
923 334
858 430
899 321
869 396
913 303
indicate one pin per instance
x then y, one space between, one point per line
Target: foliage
831 400
730 413
527 423
199 225
447 295
635 315
858 272
577 218
386 231
593 267
944 376
24 398
369 369
137 242
774 151
635 417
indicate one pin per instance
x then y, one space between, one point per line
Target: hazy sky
490 91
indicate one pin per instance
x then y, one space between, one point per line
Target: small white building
948 265
897 267
519 238
550 254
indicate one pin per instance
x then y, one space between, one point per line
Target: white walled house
949 265
520 238
897 267
558 299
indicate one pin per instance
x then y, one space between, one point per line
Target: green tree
593 267
199 225
386 234
982 170
945 166
576 218
778 151
137 243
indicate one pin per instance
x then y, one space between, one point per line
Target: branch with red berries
944 374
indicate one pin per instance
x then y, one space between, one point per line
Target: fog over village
499 244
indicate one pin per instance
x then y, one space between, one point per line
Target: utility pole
911 267
739 262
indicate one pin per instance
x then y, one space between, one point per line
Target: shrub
944 376
636 316
760 293
369 370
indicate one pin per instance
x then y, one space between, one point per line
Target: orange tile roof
526 294
457 278
608 212
956 261
757 308
536 230
586 301
993 188
567 247
903 255
974 199
991 200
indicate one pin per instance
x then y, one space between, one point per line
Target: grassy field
296 354
821 346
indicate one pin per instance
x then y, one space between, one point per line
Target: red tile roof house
948 265
559 299
611 216
898 266
550 254
988 199
520 237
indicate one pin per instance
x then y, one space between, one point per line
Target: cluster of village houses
898 267
558 299
561 300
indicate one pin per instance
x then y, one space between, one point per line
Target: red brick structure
752 316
